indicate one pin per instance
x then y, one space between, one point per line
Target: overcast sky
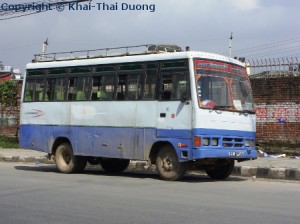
261 28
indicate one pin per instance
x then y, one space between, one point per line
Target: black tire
168 166
114 165
65 160
222 170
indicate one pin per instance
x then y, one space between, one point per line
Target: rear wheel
114 165
168 166
65 160
221 170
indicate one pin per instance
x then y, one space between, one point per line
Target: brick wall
278 111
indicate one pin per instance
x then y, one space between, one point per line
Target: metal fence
273 67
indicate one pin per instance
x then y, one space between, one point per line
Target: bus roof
132 58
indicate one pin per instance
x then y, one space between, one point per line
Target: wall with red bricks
277 109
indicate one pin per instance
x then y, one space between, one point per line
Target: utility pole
230 42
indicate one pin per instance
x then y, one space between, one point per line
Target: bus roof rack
107 52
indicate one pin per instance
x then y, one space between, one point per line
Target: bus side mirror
184 97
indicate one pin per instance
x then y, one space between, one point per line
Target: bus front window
221 92
213 91
242 95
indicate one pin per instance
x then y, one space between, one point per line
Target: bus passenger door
174 109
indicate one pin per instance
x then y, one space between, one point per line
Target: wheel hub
168 164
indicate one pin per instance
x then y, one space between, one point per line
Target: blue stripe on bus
130 143
224 133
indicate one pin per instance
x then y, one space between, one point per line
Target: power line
278 51
278 47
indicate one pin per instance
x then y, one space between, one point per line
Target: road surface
32 194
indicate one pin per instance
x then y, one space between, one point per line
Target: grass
9 142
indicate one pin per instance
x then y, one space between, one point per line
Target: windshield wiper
221 107
247 111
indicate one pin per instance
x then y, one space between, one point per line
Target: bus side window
29 90
39 90
107 88
174 86
50 89
134 87
121 87
150 85
166 87
82 89
59 89
72 88
99 89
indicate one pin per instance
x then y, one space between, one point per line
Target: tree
8 93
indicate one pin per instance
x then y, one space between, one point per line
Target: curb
41 159
269 173
243 171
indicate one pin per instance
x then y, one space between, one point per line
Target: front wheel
65 160
168 166
221 170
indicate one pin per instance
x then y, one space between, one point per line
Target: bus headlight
247 143
215 142
205 141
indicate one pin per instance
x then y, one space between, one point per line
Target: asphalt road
38 194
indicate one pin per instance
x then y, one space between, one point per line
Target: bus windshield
223 86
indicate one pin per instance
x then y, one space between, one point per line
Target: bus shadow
136 174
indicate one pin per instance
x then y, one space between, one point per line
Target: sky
261 28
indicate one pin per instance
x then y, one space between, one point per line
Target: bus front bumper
238 154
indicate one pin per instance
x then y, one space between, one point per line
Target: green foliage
8 142
8 93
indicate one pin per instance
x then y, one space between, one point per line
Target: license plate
237 154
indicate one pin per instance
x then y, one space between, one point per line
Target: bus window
121 88
150 85
82 92
39 90
107 86
29 90
213 91
102 87
55 89
134 87
174 86
59 88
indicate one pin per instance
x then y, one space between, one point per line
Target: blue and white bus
172 108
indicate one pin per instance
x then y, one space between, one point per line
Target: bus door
174 109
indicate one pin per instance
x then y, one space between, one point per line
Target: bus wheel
222 170
168 166
114 165
65 160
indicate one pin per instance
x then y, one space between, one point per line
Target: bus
173 108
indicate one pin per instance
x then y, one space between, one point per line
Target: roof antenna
45 44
